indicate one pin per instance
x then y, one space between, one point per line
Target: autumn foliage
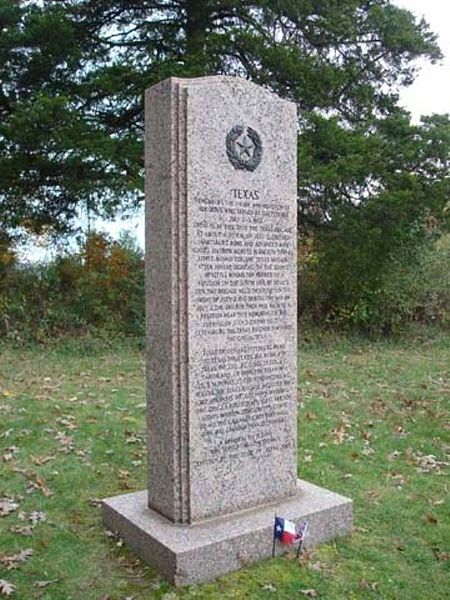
100 287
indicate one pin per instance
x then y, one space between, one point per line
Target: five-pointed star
246 147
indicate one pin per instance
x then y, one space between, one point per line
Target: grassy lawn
374 424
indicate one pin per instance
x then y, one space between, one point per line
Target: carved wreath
236 158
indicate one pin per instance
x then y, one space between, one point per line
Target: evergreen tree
73 73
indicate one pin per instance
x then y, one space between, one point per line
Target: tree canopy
373 187
73 74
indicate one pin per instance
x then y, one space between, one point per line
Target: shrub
414 287
98 288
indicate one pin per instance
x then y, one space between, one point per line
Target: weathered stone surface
187 554
222 376
221 335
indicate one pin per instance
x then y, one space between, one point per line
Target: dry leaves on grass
309 593
6 588
268 587
341 431
44 584
133 438
25 530
37 483
12 561
40 461
67 421
393 455
10 453
34 517
444 556
426 463
398 479
94 502
66 442
365 585
7 505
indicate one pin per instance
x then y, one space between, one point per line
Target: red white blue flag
287 532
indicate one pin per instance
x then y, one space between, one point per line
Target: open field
374 424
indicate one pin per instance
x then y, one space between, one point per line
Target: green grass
369 416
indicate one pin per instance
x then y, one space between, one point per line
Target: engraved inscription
244 252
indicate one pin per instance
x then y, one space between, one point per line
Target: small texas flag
285 531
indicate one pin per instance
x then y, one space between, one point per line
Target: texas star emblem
244 148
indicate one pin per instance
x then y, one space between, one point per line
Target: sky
430 93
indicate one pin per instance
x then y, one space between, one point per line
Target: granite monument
221 229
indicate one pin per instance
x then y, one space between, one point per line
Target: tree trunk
198 14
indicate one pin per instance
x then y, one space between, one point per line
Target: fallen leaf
38 483
94 502
310 593
368 586
10 453
133 438
431 519
367 450
11 561
65 441
67 421
438 502
393 455
6 588
20 470
398 479
36 516
427 463
42 461
399 431
7 506
44 584
339 434
128 419
444 556
25 530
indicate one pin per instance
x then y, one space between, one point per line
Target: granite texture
221 304
221 296
186 554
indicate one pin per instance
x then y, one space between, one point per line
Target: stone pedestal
187 554
221 230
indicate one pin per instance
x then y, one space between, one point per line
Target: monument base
186 554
